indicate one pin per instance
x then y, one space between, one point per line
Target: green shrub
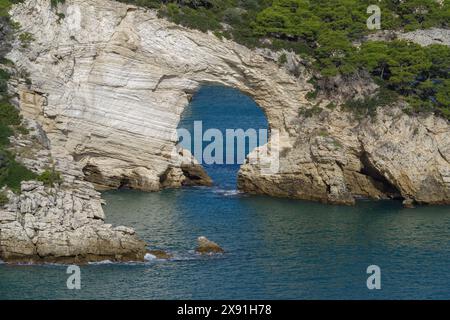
282 59
54 3
9 115
13 173
4 78
310 112
3 199
26 38
61 16
369 105
5 133
331 106
4 7
22 130
50 177
311 95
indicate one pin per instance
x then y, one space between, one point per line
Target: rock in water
206 246
159 254
107 105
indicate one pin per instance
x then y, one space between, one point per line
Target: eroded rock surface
109 83
206 246
113 79
63 222
336 159
114 86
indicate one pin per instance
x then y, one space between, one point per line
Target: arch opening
223 125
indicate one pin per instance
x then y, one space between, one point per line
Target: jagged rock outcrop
336 159
206 246
422 37
62 223
111 80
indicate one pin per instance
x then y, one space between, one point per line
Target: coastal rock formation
63 223
117 79
206 246
111 80
187 172
336 159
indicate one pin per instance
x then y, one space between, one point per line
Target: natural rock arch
111 89
232 125
119 92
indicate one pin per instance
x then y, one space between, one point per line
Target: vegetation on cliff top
326 30
12 173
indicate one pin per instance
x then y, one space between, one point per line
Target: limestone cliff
336 159
110 81
114 79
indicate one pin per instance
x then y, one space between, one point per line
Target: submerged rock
157 254
206 246
187 172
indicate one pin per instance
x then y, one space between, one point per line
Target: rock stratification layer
114 80
63 222
336 159
110 81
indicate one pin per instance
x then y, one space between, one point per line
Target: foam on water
228 193
101 262
149 257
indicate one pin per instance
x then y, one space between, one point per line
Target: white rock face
115 79
427 37
110 82
337 159
63 222
422 37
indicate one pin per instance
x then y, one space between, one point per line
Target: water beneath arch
276 248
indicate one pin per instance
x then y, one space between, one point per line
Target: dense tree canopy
326 31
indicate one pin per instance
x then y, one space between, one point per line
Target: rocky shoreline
63 223
104 98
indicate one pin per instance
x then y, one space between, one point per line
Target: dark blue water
276 249
223 109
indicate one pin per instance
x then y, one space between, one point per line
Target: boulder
206 246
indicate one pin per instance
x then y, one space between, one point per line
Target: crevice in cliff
380 181
161 80
124 184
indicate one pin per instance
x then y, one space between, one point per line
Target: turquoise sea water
276 248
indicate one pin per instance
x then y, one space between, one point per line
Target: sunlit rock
206 246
